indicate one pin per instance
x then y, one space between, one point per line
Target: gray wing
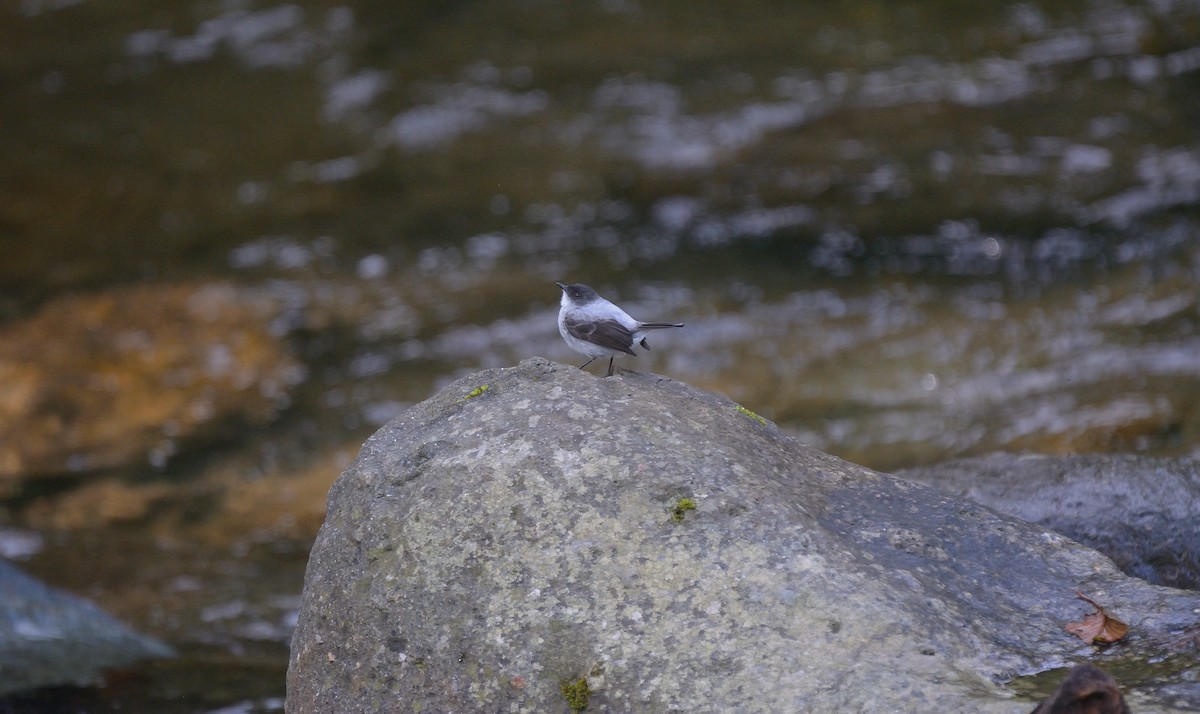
609 334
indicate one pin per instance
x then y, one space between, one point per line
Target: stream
240 236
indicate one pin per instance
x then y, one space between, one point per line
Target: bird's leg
587 363
610 359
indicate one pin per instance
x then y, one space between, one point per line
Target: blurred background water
245 234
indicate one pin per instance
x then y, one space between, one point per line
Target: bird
596 328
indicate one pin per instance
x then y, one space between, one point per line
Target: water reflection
904 231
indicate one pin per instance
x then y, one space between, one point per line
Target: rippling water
905 231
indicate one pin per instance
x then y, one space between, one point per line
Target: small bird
597 328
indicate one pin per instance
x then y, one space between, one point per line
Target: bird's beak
561 286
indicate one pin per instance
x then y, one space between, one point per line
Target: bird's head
577 293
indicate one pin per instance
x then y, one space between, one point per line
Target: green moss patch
684 505
752 415
577 693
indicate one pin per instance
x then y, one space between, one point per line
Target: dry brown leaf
1097 627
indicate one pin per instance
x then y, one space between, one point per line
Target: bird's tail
655 326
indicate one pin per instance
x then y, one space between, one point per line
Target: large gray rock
50 637
1142 512
529 527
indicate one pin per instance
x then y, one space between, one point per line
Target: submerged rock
97 381
49 637
1138 510
534 539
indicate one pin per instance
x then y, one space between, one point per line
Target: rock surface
1139 511
49 637
535 538
92 382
